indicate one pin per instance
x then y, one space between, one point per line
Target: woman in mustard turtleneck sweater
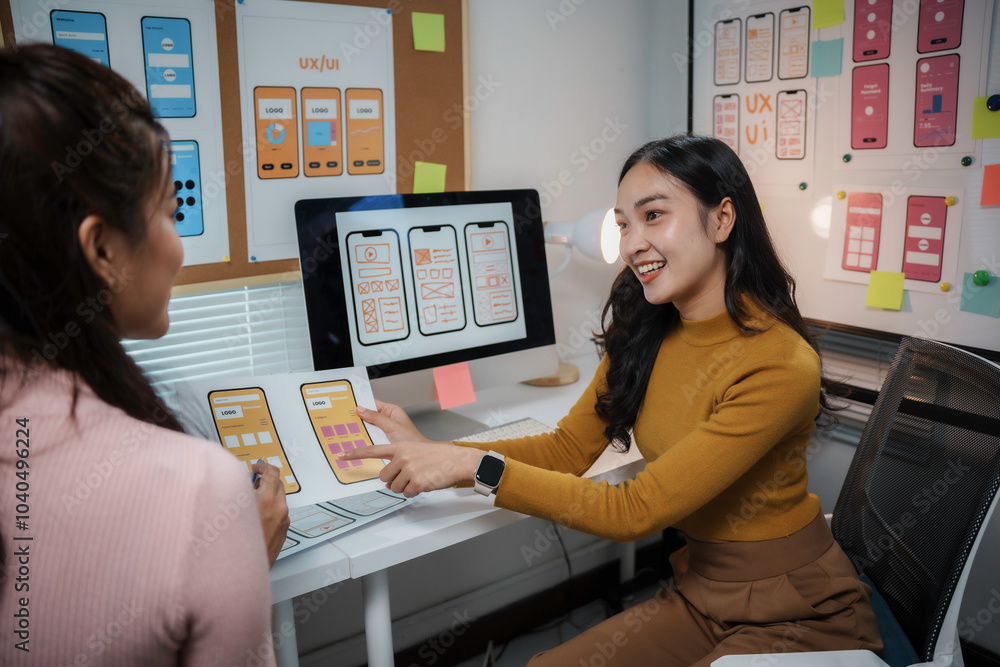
709 365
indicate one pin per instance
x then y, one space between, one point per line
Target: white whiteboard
804 223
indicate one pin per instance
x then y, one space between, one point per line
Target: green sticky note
981 300
885 290
428 177
985 123
827 57
428 32
827 13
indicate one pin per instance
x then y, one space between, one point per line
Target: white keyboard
521 428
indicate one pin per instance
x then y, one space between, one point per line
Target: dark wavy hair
76 139
634 328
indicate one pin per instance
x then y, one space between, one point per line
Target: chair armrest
815 659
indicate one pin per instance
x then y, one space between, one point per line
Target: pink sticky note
453 385
991 186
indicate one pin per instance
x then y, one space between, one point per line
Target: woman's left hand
415 467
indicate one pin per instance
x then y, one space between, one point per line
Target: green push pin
981 278
967 161
847 157
803 186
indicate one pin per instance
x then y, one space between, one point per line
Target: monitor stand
438 424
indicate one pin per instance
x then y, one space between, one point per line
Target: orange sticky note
991 186
453 385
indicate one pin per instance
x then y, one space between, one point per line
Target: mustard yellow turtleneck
723 428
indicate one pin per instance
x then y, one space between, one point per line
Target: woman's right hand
394 421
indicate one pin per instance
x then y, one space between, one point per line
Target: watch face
489 471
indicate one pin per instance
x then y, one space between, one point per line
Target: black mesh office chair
918 496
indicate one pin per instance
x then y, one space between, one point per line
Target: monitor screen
401 283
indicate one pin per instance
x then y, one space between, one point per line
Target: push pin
993 103
253 258
841 195
225 258
967 161
949 201
847 157
803 186
981 278
945 287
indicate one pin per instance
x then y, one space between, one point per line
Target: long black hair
76 139
634 328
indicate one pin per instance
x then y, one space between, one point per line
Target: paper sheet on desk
314 524
300 419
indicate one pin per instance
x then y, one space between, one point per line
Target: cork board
431 122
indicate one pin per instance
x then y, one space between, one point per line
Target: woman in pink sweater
123 540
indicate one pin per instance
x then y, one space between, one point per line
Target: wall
562 91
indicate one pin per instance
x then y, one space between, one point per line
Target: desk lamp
596 236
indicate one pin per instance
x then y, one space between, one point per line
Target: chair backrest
922 484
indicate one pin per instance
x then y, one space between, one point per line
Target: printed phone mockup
726 109
861 234
491 272
366 504
935 112
166 46
793 43
939 27
333 412
365 131
437 279
315 521
247 431
322 136
923 248
791 143
872 29
760 47
83 32
870 106
727 51
376 269
277 132
186 171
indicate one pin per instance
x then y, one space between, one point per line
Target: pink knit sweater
145 544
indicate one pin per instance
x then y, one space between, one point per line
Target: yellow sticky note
827 13
885 290
428 32
985 123
428 177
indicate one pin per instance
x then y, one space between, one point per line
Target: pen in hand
255 476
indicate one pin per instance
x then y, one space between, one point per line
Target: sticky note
885 290
428 32
983 300
453 385
991 186
428 177
985 123
827 13
827 57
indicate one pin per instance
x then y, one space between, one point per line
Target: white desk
436 520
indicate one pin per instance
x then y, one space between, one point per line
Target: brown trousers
798 593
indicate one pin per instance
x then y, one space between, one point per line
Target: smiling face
671 243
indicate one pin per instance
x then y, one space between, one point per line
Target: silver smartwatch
488 474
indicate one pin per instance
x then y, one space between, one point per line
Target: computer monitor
402 284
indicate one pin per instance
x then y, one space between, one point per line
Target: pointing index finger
373 452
